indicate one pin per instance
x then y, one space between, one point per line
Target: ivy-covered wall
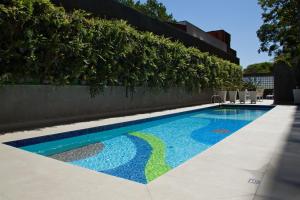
42 44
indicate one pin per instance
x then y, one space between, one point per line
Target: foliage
251 84
151 8
280 32
248 85
232 86
42 44
264 67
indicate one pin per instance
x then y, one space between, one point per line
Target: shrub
42 44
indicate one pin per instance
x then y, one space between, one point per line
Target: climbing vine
43 44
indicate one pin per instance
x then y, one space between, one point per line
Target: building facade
193 37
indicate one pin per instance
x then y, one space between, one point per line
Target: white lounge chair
260 94
253 96
243 96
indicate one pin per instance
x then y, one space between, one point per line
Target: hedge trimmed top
43 44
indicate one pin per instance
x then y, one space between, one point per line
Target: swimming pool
143 150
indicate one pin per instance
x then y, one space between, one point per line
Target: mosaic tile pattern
144 151
156 165
80 153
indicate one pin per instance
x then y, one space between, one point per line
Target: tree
280 33
129 3
151 8
264 67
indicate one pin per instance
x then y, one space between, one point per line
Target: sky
240 18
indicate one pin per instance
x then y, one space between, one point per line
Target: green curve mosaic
156 165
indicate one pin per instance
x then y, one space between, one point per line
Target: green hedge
42 44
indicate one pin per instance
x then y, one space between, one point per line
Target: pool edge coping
123 181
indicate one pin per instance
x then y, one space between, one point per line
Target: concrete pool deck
259 161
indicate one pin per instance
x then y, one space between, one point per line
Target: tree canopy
259 68
280 32
152 8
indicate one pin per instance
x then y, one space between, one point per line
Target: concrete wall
30 106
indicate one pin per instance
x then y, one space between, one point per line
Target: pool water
144 150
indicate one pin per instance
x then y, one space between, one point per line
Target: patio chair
270 96
253 96
243 96
260 94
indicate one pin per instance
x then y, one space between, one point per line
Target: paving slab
273 187
28 176
241 167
